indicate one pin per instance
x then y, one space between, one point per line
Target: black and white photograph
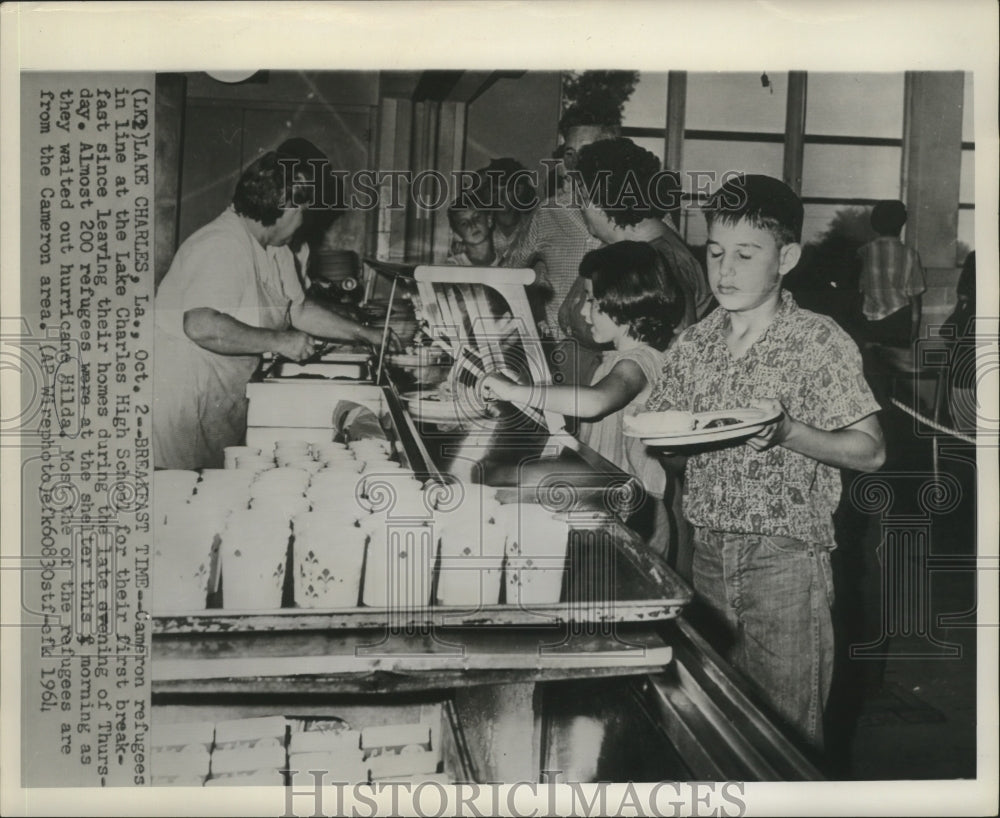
515 411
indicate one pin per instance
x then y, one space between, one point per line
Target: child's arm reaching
613 392
859 446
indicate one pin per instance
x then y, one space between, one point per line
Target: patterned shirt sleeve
669 390
524 250
835 389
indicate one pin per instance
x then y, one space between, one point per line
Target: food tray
444 755
350 370
609 576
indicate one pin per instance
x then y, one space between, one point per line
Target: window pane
818 217
712 157
851 172
854 104
731 101
967 183
692 226
968 123
966 231
647 107
653 144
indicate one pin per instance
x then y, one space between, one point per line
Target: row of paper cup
387 564
336 486
301 453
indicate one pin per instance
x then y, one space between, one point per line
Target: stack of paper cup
372 450
225 478
472 553
233 453
204 509
327 559
229 489
172 488
183 564
280 491
371 444
254 463
400 565
282 504
285 450
303 462
331 451
337 490
346 464
253 554
280 481
537 542
395 492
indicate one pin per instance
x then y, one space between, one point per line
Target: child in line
892 280
762 512
474 228
628 307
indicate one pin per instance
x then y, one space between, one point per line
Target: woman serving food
231 294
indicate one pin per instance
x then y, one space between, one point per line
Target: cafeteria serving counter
603 680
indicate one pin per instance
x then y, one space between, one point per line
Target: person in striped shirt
892 280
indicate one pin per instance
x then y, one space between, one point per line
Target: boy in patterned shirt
762 510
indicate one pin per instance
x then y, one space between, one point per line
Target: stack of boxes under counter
275 750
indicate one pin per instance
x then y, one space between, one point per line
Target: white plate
751 421
425 408
414 361
325 369
336 357
404 360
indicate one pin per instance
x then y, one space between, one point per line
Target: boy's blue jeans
775 595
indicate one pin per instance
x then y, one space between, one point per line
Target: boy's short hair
621 178
464 203
604 115
888 217
765 202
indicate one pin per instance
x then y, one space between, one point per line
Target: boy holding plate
762 512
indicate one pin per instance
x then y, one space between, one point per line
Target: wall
329 87
514 117
227 125
932 190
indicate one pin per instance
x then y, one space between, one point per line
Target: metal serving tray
609 577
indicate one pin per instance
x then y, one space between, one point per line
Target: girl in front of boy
628 307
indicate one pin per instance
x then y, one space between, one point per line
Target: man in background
554 242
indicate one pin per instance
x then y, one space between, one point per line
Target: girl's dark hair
263 189
634 288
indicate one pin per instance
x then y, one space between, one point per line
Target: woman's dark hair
263 189
510 176
634 288
622 179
